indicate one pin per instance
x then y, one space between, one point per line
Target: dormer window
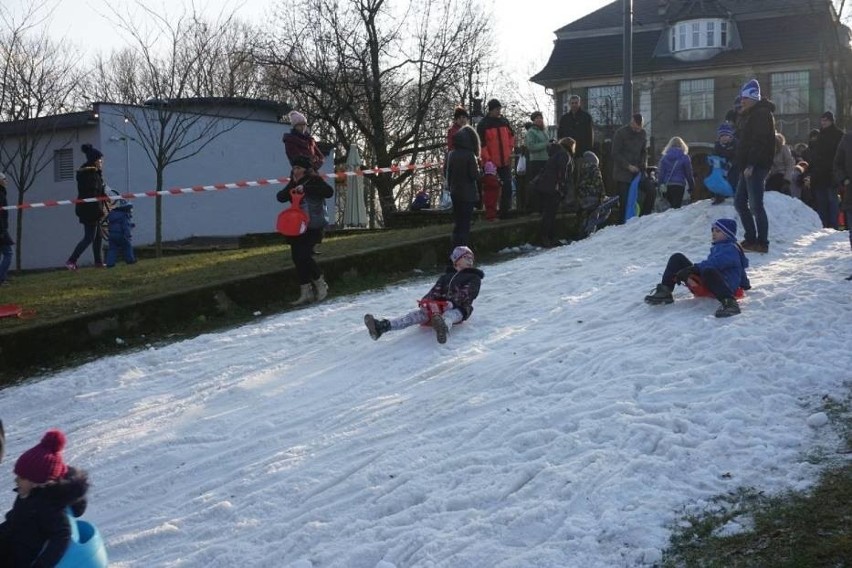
697 37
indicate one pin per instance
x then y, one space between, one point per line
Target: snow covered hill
567 424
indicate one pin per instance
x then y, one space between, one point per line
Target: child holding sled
722 273
36 531
450 301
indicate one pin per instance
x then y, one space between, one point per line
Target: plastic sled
293 221
86 549
599 215
632 208
432 307
11 311
717 182
696 286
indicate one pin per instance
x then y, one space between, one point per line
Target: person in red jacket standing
299 142
498 141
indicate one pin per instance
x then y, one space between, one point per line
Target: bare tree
382 79
164 70
37 81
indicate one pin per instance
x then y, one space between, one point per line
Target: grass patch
747 528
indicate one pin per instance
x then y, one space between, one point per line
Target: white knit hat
297 118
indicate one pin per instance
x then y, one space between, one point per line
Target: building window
688 35
604 104
63 164
790 92
696 99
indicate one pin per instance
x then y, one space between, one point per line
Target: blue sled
86 549
632 205
717 181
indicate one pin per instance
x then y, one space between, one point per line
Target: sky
566 423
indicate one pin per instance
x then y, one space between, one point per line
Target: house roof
649 12
764 41
48 123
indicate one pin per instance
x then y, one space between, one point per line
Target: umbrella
355 209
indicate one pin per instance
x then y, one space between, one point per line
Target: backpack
293 221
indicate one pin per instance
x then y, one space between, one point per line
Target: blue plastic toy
86 549
631 208
717 181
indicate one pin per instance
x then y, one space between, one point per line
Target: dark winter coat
120 224
728 258
5 237
629 148
756 138
462 168
590 185
36 531
558 174
676 169
313 202
579 127
461 287
90 183
302 144
498 140
823 157
843 169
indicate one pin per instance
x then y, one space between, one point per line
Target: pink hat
43 462
490 169
297 118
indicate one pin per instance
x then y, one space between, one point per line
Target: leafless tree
379 74
37 81
163 69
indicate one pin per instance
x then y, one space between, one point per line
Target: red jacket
298 144
451 133
498 140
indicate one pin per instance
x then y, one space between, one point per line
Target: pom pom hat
490 169
727 226
43 462
297 118
751 90
92 153
725 129
459 252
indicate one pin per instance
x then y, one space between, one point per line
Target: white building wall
252 150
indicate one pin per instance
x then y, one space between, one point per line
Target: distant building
690 58
250 149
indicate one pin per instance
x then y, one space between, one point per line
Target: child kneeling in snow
36 531
722 273
458 287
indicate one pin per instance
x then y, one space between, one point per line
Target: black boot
729 308
662 295
376 327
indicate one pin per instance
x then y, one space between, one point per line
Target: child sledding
449 302
722 274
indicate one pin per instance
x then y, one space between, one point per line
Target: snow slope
567 424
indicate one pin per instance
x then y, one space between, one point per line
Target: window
604 104
711 34
790 92
682 34
696 34
699 34
723 35
63 164
696 99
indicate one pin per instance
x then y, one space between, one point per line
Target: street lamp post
627 95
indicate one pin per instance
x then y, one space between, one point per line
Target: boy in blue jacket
120 233
722 273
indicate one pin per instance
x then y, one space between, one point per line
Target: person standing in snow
449 302
843 176
722 273
36 531
675 171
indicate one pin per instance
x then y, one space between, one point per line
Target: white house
249 147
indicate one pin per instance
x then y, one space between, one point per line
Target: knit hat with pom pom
43 462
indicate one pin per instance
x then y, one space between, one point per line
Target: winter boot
306 295
662 295
321 288
376 327
439 324
729 308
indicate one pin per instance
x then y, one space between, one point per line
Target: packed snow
566 424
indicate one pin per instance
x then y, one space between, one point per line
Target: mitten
684 273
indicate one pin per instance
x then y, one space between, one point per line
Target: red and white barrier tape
221 186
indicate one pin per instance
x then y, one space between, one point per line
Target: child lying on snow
450 301
722 273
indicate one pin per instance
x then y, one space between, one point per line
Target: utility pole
627 88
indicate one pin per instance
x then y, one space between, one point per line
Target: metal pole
627 88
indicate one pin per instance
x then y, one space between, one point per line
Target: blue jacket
727 257
676 169
120 224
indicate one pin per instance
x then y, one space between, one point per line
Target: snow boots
306 295
729 308
439 324
320 288
662 295
376 327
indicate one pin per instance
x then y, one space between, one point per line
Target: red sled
432 307
293 221
15 311
696 286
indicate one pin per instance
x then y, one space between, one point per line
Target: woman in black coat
90 184
555 182
312 284
462 171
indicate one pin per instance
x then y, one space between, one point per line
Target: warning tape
340 176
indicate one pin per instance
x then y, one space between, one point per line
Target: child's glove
684 273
